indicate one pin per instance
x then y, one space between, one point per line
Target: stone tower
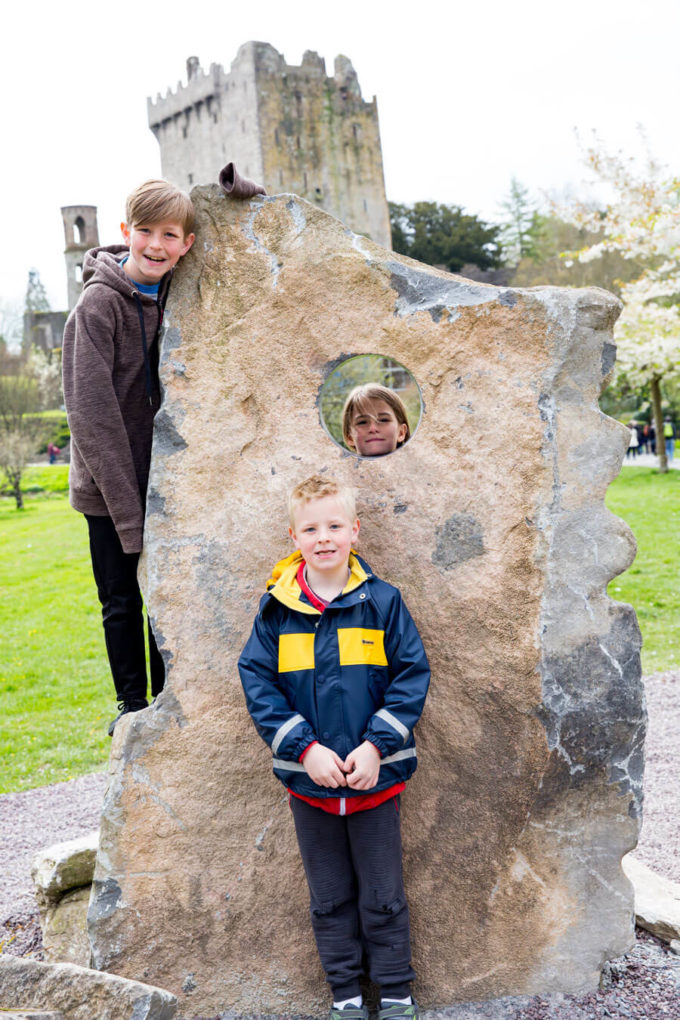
290 128
80 232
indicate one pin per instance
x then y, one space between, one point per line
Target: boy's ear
293 538
188 241
125 231
355 530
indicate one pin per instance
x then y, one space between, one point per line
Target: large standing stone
492 521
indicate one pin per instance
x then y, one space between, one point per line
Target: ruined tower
290 128
80 232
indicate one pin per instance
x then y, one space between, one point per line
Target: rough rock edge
603 748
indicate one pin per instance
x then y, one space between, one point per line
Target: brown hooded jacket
111 391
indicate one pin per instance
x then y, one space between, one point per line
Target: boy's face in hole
324 533
376 431
154 249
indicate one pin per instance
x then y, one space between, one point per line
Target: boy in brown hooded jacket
112 392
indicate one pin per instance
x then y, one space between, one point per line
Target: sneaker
136 705
349 1013
398 1011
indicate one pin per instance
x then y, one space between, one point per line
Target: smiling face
324 533
155 249
375 430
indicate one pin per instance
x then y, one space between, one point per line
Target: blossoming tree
642 222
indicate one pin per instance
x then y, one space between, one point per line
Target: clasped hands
359 770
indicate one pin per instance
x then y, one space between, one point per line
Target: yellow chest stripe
296 651
359 646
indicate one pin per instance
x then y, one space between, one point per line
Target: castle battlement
199 88
289 126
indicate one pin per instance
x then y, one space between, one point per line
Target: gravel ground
643 984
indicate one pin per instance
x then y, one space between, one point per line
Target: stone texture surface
64 928
657 900
491 520
79 994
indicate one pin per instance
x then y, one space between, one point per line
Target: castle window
215 117
79 230
276 136
79 272
355 132
191 178
305 177
365 206
184 132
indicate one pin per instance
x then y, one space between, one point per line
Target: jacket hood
283 583
103 265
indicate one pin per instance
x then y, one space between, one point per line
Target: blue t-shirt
145 288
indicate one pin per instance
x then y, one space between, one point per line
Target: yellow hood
283 584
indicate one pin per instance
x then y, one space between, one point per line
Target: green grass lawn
56 693
650 504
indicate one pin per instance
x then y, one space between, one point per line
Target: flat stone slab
492 522
64 866
657 900
65 991
30 1014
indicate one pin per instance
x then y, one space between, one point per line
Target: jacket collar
283 584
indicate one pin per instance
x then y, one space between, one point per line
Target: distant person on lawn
112 393
669 438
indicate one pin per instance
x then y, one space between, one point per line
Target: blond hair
318 487
359 401
158 201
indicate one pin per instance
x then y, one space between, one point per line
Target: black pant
357 899
115 573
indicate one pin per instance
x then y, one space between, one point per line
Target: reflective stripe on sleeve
296 766
283 730
392 721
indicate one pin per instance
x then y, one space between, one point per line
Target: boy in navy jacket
335 677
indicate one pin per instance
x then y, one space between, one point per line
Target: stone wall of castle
292 128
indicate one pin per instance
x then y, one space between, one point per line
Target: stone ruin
492 521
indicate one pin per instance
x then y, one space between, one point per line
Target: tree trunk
658 425
14 479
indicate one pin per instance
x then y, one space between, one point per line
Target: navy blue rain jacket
358 671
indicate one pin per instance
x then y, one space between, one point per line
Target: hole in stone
370 405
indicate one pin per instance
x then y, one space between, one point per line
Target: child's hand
362 766
324 766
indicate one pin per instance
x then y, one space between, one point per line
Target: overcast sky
469 95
